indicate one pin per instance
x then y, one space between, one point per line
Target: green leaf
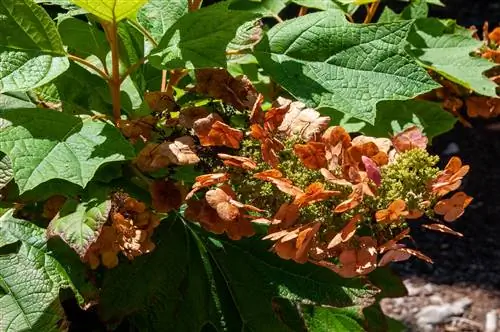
157 16
319 4
30 279
395 116
111 10
46 144
83 38
196 279
79 224
28 51
416 9
78 90
325 319
200 39
15 100
26 26
446 48
6 171
329 63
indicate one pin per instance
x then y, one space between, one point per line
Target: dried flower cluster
128 230
329 199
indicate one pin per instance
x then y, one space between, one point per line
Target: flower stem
115 81
371 11
89 65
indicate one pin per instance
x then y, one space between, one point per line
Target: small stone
436 299
412 290
452 148
438 314
427 289
491 322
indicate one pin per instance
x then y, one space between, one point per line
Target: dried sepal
312 154
276 177
442 228
207 180
410 138
451 209
394 213
450 178
302 122
237 161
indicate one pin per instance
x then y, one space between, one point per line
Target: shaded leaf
29 52
198 40
395 116
6 171
157 16
46 144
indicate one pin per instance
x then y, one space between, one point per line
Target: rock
438 314
412 290
491 323
436 299
427 289
452 148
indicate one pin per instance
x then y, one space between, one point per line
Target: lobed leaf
157 16
79 224
30 279
329 63
46 144
200 279
446 49
30 46
198 40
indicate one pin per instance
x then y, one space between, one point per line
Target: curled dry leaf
346 233
394 213
159 101
219 200
212 131
296 244
450 178
188 116
270 146
166 196
287 215
314 193
303 122
442 228
154 156
334 179
336 140
480 106
360 259
52 206
138 128
408 139
237 161
218 83
276 177
352 201
312 154
453 207
207 180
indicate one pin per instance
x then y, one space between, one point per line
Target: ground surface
469 266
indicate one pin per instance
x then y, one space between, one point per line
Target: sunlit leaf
111 10
46 144
30 279
322 60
